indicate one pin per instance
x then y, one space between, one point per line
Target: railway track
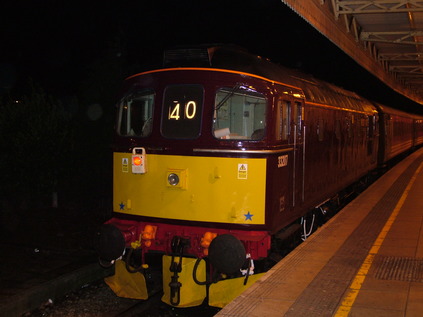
97 299
155 307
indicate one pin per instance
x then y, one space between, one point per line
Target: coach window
372 121
358 127
338 129
320 129
240 114
182 110
135 114
348 123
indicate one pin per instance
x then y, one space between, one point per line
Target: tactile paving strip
404 269
324 292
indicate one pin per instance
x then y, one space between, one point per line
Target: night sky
66 46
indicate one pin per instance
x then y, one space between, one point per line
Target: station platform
366 261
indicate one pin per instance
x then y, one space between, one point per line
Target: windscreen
182 109
135 114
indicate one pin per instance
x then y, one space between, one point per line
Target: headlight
177 178
173 179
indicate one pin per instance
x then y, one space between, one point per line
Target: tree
35 142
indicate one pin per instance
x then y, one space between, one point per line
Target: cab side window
240 114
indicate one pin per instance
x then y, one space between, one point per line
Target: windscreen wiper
229 95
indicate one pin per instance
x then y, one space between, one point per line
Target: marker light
148 234
206 240
173 179
137 160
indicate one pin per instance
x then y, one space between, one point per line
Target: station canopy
384 36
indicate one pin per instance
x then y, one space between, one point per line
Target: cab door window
239 114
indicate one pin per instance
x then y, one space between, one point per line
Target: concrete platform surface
366 261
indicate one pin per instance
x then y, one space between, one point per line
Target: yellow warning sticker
125 165
242 171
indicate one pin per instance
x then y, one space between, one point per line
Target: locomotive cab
191 159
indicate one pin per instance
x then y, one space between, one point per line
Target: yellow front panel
213 189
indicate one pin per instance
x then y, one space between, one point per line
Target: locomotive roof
238 59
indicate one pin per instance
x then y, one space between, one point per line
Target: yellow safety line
354 289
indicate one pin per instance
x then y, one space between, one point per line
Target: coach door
297 139
290 128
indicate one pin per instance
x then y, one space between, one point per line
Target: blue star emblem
248 216
122 206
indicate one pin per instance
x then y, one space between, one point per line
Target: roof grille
190 57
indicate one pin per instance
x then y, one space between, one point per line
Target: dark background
62 64
65 46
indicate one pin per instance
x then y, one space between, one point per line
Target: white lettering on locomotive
282 161
281 203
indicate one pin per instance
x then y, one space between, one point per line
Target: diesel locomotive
219 154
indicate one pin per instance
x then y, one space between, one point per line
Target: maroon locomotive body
220 152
